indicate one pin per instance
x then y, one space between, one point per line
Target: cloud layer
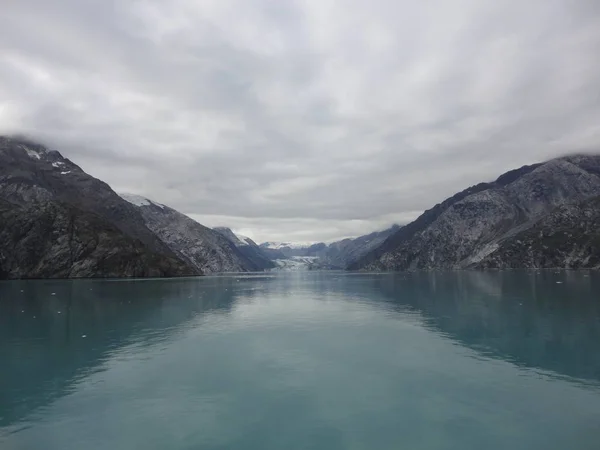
301 120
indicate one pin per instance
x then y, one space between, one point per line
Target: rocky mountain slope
342 253
467 228
74 220
54 240
272 253
247 247
202 247
568 237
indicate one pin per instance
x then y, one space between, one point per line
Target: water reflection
52 333
526 318
543 320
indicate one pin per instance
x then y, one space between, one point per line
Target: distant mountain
248 248
337 255
200 246
299 263
284 245
468 228
272 253
282 250
58 221
342 253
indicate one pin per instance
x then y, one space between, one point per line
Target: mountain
568 237
337 255
247 247
272 253
342 253
200 246
283 250
54 240
468 228
58 221
319 256
299 263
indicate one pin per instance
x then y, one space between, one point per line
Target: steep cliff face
202 247
568 237
30 173
397 239
35 178
53 240
466 228
247 247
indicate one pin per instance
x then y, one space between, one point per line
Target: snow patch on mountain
248 248
138 200
237 239
32 153
241 239
295 263
280 245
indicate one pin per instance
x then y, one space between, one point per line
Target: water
464 360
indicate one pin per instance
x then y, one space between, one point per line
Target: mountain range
56 221
336 255
205 249
247 247
514 221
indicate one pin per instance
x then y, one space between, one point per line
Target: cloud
301 120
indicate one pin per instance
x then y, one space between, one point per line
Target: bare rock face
203 248
568 237
34 181
258 259
468 228
54 240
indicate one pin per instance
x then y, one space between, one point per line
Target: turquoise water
463 360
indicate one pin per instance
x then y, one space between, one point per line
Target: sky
301 120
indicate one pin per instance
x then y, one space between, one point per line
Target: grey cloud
301 120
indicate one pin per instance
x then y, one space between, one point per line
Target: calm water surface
464 360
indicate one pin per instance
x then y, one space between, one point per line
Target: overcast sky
301 120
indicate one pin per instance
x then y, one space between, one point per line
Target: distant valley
56 221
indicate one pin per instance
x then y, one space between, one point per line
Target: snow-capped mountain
283 250
336 255
237 239
297 263
201 246
282 245
248 248
138 200
58 221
